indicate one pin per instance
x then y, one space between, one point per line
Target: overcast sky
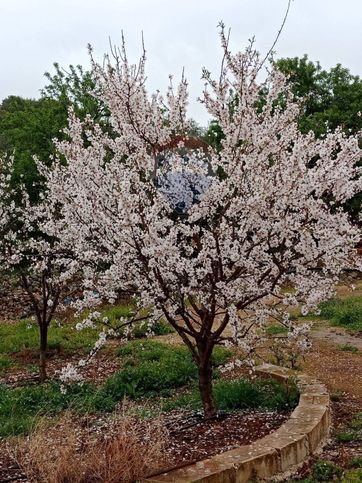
36 33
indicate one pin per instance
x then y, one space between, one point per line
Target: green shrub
356 423
353 431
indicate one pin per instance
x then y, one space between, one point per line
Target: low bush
353 431
356 462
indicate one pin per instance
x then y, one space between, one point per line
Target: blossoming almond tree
46 272
262 214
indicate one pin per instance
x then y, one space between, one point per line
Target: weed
353 431
336 396
356 462
348 348
346 436
326 471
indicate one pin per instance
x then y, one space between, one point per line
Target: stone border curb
279 451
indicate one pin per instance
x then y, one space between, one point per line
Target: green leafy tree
75 88
332 98
27 128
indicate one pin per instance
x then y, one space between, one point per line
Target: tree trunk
205 385
43 351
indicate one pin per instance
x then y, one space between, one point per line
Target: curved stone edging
298 438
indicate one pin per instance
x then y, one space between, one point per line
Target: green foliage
75 87
346 436
326 471
336 396
27 128
151 368
356 423
333 97
345 312
242 394
20 408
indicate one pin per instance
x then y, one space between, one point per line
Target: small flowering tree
46 272
255 214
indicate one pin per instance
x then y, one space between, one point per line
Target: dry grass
123 450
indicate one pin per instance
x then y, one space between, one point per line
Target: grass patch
276 329
24 335
344 312
354 476
116 313
21 408
5 363
151 368
348 348
346 436
353 432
